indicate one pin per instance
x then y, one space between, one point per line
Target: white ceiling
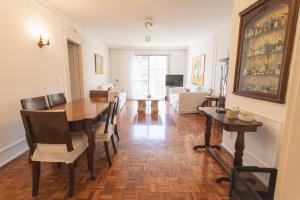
120 23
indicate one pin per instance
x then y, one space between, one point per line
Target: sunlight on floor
151 132
148 125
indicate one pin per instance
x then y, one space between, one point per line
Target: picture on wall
99 64
266 37
198 68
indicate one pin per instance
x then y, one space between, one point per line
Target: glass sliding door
140 77
149 76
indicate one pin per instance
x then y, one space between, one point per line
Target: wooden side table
210 101
232 125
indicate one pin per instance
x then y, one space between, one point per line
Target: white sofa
113 91
186 102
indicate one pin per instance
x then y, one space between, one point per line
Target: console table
232 125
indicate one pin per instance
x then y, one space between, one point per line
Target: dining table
83 114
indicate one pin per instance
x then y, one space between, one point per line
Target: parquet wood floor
155 160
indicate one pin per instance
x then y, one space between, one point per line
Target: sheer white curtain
148 76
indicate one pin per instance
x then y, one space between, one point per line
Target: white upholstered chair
186 102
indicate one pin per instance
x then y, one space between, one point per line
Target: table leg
141 105
238 155
207 133
89 130
239 149
154 105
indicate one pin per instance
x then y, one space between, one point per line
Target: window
149 75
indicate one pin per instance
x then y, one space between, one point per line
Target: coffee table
142 104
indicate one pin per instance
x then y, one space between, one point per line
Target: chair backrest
110 115
117 104
47 127
35 103
56 99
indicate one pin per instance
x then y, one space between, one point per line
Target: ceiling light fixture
147 39
148 22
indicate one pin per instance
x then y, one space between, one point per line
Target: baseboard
247 156
12 151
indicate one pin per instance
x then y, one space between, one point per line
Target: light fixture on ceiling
148 22
147 39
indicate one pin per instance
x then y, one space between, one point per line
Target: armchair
186 102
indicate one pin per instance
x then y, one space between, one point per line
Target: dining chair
116 118
104 132
35 103
56 99
52 142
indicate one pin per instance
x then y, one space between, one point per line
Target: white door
75 69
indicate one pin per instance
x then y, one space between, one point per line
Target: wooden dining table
83 114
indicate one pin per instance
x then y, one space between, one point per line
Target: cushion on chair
100 135
58 152
115 121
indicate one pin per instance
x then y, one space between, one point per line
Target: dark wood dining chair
105 131
116 118
35 103
52 142
56 99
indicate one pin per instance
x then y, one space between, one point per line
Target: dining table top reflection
86 108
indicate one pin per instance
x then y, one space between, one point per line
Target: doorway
149 76
75 70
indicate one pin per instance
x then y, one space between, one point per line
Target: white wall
205 46
121 63
28 71
215 46
262 147
93 80
288 184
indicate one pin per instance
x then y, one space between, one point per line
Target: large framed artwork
99 64
267 30
198 69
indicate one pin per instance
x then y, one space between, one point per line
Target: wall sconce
44 41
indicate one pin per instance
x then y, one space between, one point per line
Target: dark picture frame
262 65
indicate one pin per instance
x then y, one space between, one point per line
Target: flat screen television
173 80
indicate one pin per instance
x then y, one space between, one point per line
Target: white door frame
69 34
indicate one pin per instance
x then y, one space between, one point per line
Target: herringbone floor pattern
155 160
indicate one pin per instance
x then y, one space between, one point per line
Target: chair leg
113 142
29 159
107 153
71 178
76 162
36 170
116 132
58 165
